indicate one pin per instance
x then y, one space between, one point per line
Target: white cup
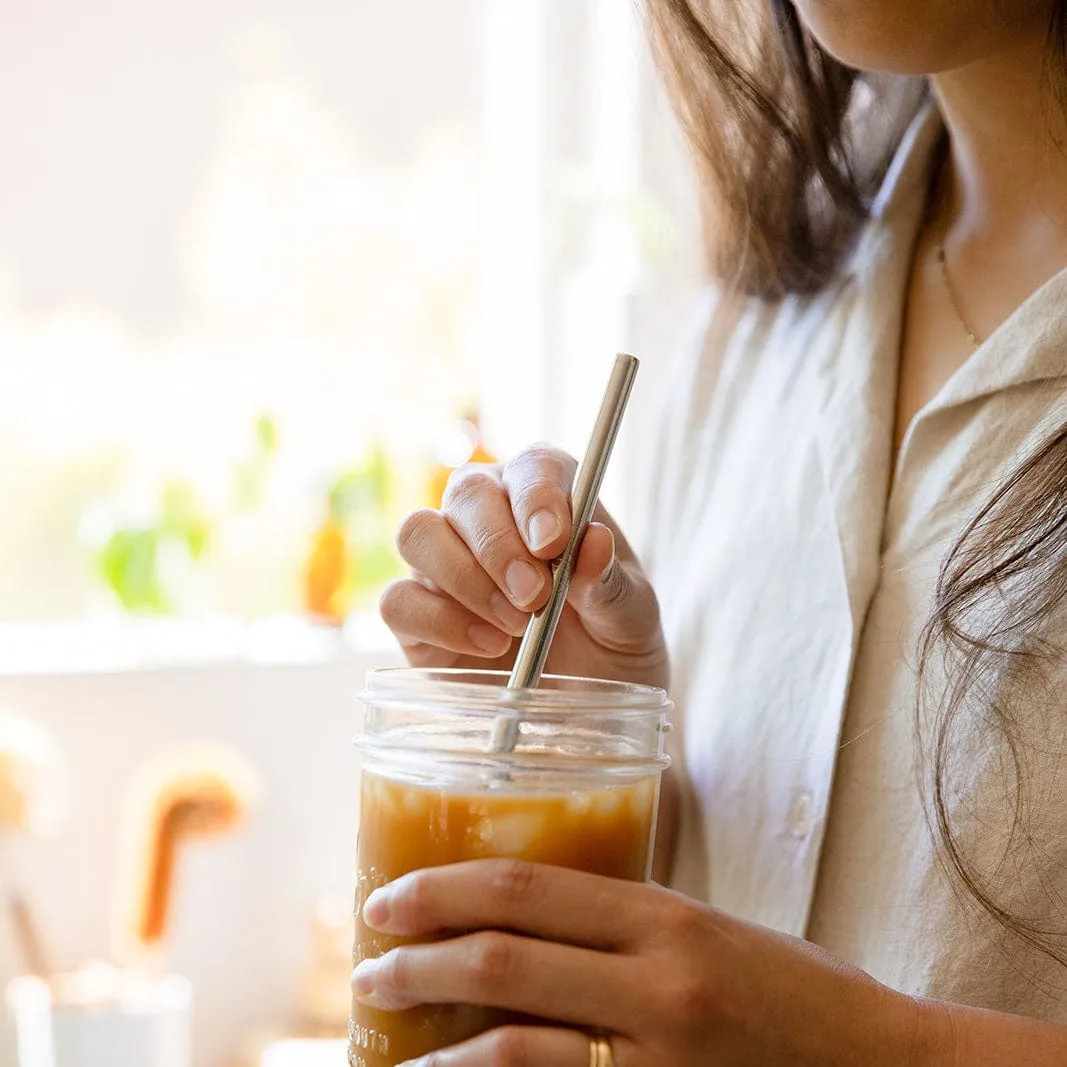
100 1017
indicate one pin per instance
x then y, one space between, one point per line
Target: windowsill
120 645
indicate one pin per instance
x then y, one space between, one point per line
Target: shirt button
801 815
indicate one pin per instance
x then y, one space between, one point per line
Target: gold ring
600 1052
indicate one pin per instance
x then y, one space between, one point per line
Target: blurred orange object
33 779
466 446
33 788
327 573
187 793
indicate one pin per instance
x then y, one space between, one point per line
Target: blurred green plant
132 559
362 501
143 563
147 565
250 475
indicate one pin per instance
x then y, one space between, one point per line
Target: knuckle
393 602
541 452
419 528
416 897
468 485
490 541
493 961
687 999
514 881
683 923
539 462
617 591
439 621
687 995
394 976
544 453
509 1047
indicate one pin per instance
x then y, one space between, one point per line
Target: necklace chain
953 299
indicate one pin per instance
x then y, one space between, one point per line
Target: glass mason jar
580 789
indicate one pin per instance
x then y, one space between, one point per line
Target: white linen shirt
795 566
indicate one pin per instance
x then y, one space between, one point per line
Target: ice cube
515 834
607 802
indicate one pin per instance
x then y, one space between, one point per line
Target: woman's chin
912 37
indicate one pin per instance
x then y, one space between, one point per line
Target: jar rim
485 692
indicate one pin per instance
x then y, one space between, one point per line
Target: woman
861 514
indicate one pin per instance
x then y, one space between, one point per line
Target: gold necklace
953 298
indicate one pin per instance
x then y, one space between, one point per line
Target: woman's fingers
523 1046
420 617
579 986
596 555
429 543
488 549
535 899
476 506
617 604
538 483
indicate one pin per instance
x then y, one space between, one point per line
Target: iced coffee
580 790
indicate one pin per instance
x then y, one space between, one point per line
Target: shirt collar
1029 346
898 208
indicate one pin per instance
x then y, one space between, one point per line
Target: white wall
242 931
119 106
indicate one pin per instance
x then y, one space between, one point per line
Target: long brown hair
770 116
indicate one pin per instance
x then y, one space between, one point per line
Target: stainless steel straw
530 660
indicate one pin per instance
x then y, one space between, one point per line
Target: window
261 275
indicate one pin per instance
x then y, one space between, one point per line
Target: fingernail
523 582
362 980
488 638
376 910
544 528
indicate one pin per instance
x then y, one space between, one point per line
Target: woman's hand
480 567
674 983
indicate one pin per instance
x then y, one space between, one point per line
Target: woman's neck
1005 190
999 213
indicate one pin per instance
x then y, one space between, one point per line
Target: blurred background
267 272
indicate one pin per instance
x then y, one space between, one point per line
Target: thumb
613 599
